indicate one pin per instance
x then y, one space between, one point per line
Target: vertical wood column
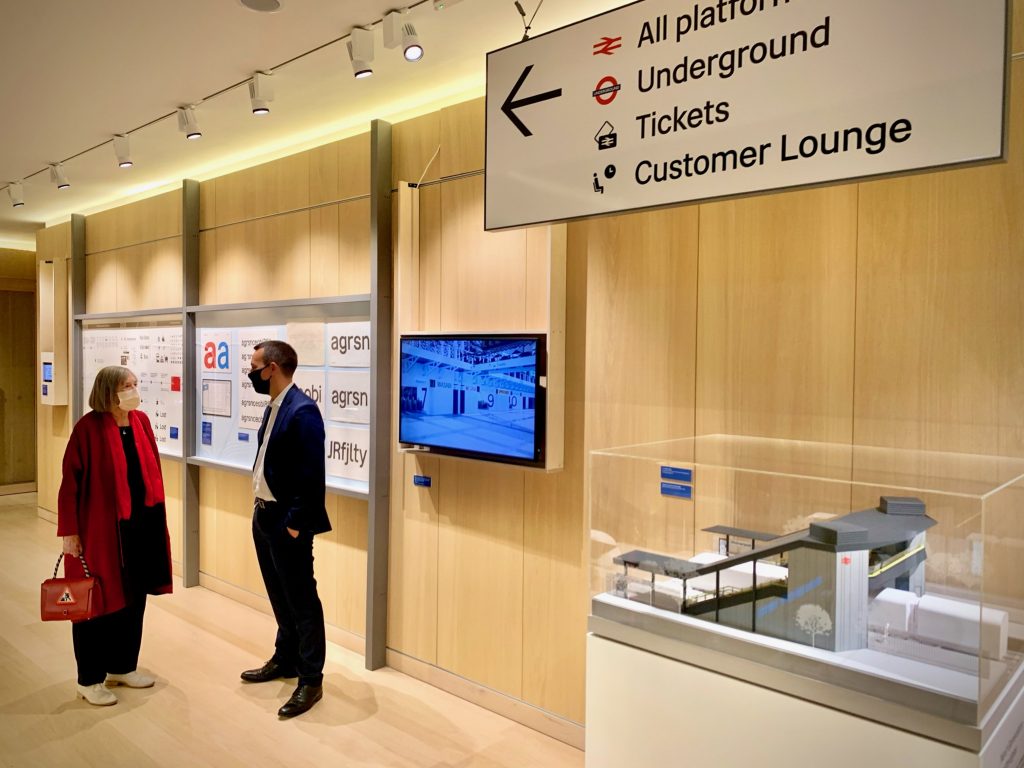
77 308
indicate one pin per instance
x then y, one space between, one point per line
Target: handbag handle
85 566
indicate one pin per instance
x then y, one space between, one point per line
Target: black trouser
109 643
287 567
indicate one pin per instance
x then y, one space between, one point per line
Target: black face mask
262 386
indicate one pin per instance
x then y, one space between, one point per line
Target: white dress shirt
260 489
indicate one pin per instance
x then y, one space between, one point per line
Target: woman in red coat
111 510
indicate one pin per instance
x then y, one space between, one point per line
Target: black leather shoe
302 700
269 671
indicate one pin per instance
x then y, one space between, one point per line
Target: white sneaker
97 694
133 679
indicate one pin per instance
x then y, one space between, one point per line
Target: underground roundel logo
606 91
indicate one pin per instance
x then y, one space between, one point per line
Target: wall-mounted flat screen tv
479 396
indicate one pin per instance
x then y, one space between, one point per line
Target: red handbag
69 599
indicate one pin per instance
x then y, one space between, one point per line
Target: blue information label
173 431
421 480
207 433
679 491
243 437
677 473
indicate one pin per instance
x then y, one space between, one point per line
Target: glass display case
884 582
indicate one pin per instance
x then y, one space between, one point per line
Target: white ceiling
75 72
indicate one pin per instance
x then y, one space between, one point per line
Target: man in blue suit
288 484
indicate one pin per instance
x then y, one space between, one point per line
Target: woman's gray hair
104 389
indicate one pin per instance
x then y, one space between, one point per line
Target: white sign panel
307 339
251 405
349 397
312 383
348 345
663 102
154 355
348 452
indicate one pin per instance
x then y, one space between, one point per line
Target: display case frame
959 526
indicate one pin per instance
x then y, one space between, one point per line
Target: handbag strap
85 566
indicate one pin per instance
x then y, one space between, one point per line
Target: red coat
94 495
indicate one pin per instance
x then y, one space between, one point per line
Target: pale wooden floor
199 713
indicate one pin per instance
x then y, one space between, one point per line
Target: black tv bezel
540 399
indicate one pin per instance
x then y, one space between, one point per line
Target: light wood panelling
148 276
208 267
641 314
152 219
413 143
101 282
207 204
462 138
555 594
258 260
480 574
324 249
940 326
340 557
1018 26
429 310
54 242
354 247
171 471
483 285
17 265
413 561
340 170
18 386
274 187
775 316
225 529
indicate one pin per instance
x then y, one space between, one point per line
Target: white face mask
128 399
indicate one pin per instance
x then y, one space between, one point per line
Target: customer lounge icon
606 137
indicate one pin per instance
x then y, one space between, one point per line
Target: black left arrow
511 103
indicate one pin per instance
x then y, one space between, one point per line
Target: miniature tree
814 620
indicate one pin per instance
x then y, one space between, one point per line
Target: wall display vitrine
153 353
333 370
887 574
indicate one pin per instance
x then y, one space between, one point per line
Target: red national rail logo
607 45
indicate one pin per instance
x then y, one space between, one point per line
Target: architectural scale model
849 583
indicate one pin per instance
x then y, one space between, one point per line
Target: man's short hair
279 352
103 396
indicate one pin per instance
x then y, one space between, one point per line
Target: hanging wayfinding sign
663 102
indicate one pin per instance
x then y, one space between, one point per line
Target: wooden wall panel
482 273
429 309
555 594
171 471
641 315
261 260
413 562
340 170
101 282
208 267
148 276
354 247
340 564
207 204
940 327
18 385
274 187
413 143
154 218
775 316
462 138
324 250
480 574
1018 26
18 265
226 549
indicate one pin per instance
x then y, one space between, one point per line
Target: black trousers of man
287 567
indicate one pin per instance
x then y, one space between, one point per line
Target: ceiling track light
123 151
397 32
360 52
58 177
188 124
14 191
261 93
